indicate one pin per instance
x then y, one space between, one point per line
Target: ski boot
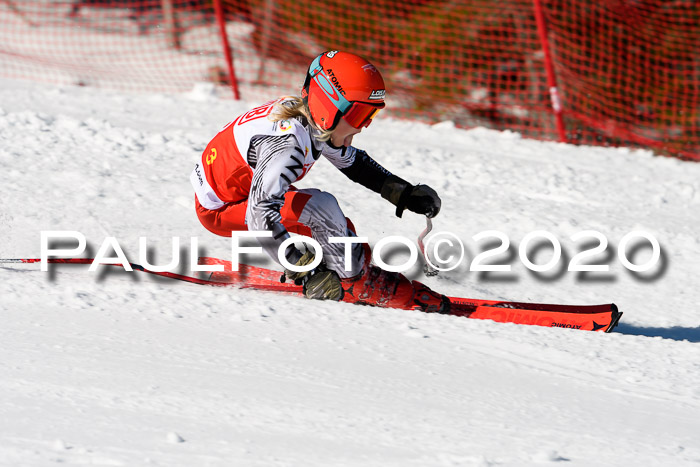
375 286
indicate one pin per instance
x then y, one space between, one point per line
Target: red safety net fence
615 72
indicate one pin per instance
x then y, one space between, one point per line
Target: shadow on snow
676 333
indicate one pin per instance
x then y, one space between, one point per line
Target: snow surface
116 368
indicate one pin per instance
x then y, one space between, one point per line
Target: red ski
584 317
601 318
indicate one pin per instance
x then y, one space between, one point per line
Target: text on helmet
335 81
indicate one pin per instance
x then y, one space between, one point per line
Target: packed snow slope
117 368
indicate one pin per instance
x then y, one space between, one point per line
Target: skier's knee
324 200
324 207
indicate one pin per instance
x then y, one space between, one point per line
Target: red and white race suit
244 182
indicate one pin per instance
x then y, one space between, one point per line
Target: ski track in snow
116 368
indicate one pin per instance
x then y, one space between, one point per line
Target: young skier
244 182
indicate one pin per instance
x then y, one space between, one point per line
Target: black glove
319 283
420 199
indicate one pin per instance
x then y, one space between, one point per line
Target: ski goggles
360 114
356 114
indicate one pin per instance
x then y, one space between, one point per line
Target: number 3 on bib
211 156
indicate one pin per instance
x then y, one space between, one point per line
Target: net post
218 7
549 69
171 27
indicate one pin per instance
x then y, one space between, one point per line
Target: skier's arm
359 167
271 180
366 171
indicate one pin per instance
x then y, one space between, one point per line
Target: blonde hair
292 107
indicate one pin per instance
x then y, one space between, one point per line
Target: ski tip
615 318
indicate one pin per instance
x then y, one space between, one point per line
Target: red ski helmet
341 84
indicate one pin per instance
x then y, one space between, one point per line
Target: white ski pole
428 270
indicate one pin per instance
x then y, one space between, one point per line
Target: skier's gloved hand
424 200
420 199
319 283
299 277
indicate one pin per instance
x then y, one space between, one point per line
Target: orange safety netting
627 71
